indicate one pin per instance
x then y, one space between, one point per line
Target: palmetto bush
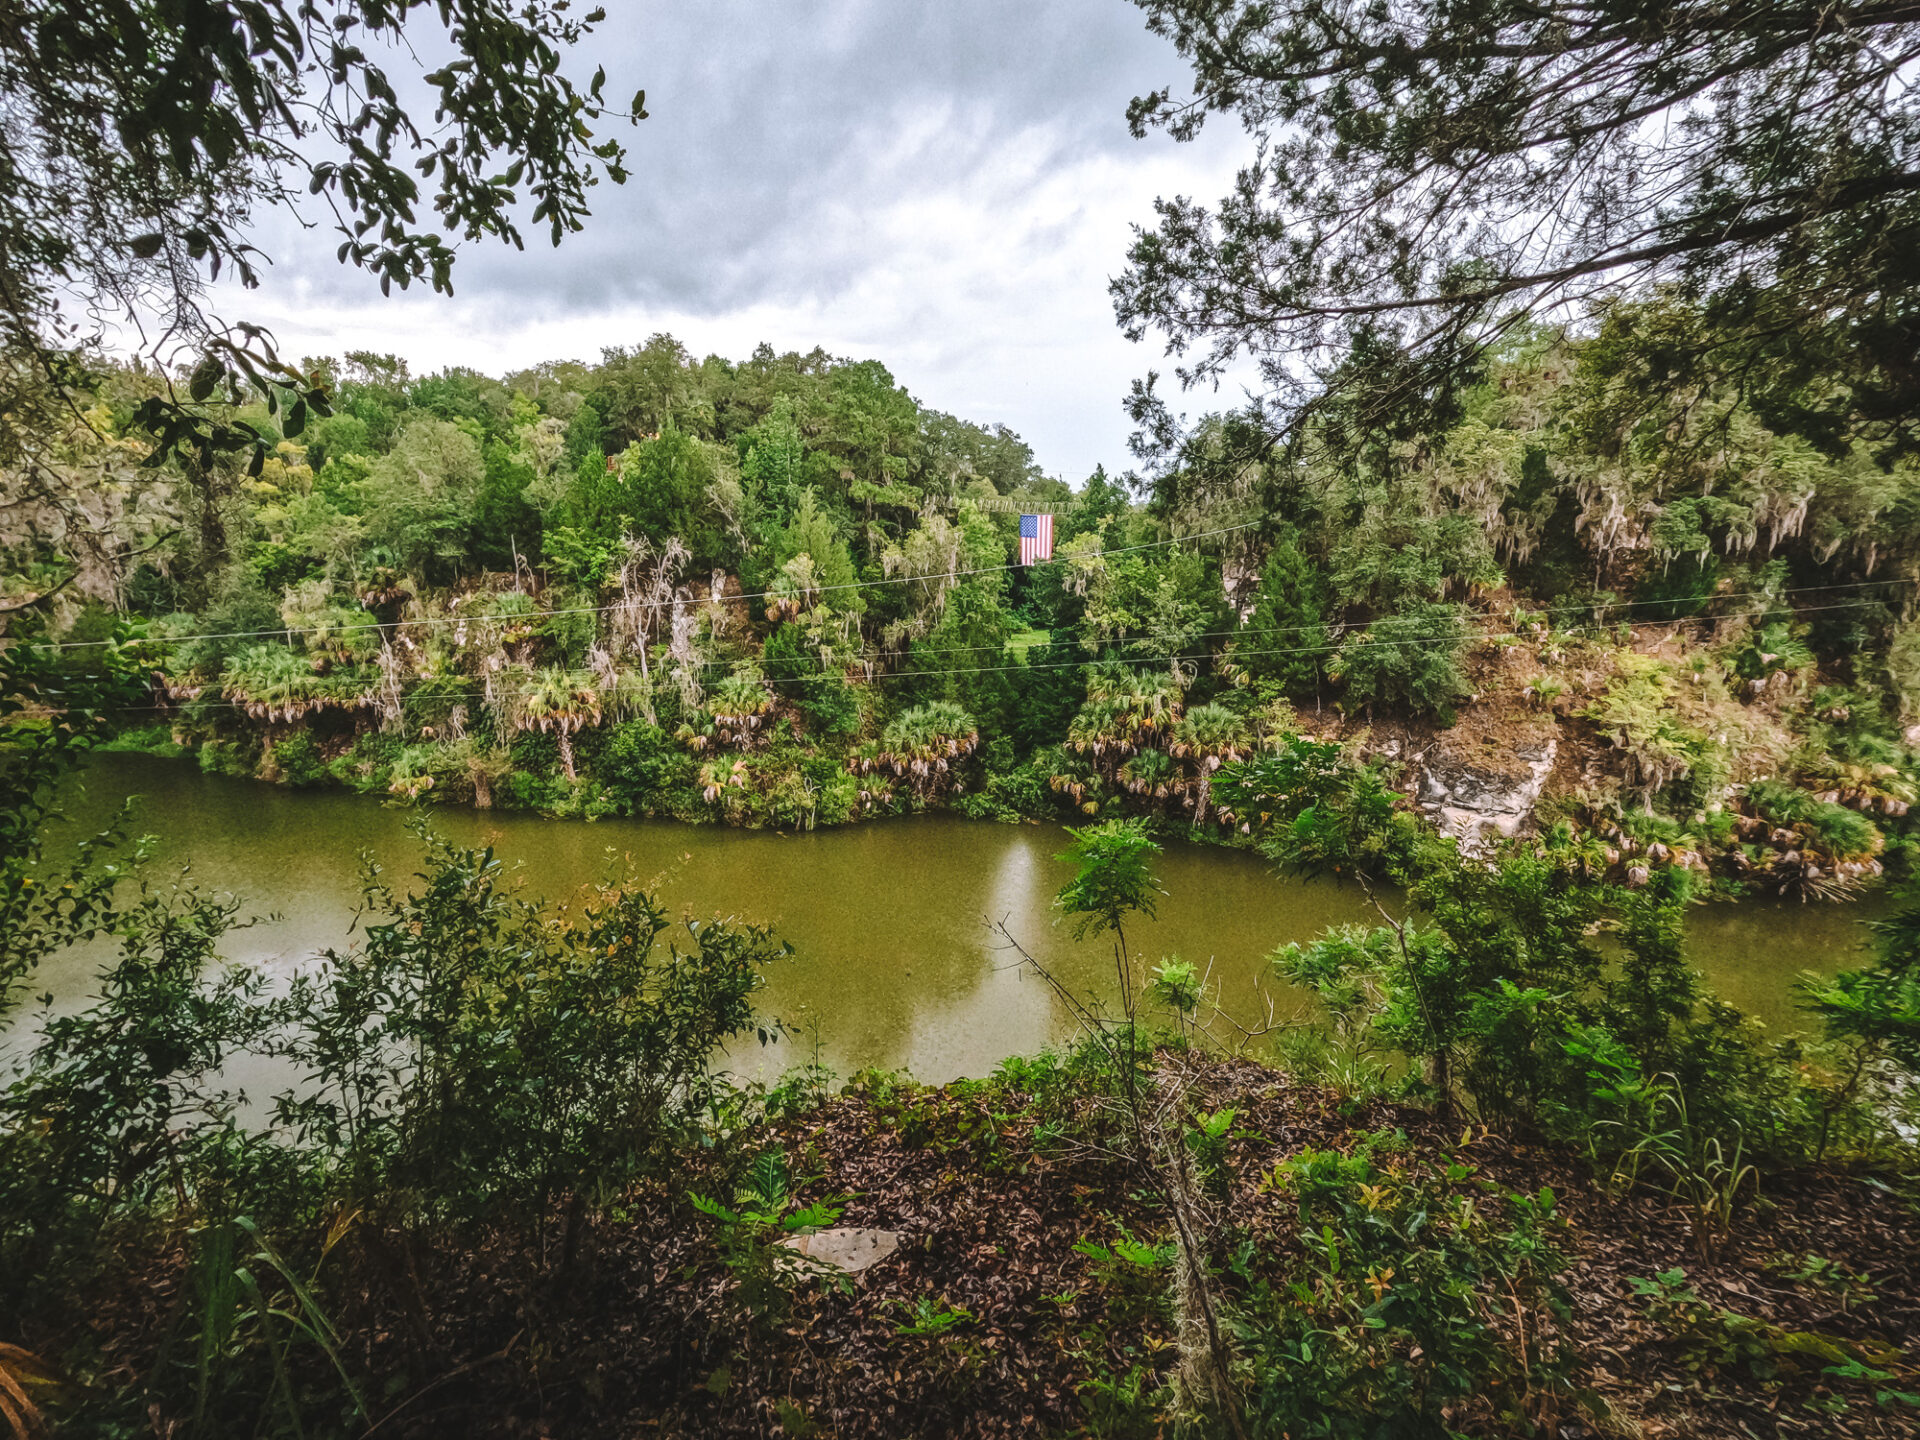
922 744
1150 698
1820 848
1861 770
1870 785
1153 774
1209 736
183 666
1082 784
560 703
341 633
1126 711
274 683
740 704
412 774
513 617
724 783
1104 728
697 732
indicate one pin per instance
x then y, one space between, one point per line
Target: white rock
1474 805
848 1248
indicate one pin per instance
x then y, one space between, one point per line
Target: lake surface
895 962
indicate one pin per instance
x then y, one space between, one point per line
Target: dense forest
1593 652
1556 575
781 592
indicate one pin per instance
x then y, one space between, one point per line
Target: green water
896 963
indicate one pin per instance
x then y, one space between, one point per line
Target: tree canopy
1428 175
140 141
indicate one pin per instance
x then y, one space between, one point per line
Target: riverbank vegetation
1563 575
780 592
1524 1177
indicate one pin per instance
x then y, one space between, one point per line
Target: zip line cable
1117 640
289 631
1017 669
874 657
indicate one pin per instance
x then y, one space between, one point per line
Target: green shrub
535 750
570 634
227 757
1686 584
1411 660
832 792
155 739
547 1051
523 790
1388 1314
1285 639
638 763
1318 812
1877 1009
121 1104
367 766
432 699
1903 666
831 705
299 761
231 624
1769 650
1012 792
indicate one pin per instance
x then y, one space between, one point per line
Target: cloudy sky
946 188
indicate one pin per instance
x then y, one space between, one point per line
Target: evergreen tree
1286 638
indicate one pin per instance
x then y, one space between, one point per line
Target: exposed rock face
1484 797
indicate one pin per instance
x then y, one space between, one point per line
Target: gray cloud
919 181
775 127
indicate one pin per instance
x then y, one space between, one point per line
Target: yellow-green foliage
1903 667
1671 726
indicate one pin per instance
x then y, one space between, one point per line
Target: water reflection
895 963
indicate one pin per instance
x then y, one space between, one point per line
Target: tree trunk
566 752
1440 1076
212 525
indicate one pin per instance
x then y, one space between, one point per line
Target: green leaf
206 375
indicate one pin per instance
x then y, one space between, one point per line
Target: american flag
1036 538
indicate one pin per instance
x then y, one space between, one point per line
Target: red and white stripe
1039 545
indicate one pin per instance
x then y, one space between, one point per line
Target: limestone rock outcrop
1488 793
